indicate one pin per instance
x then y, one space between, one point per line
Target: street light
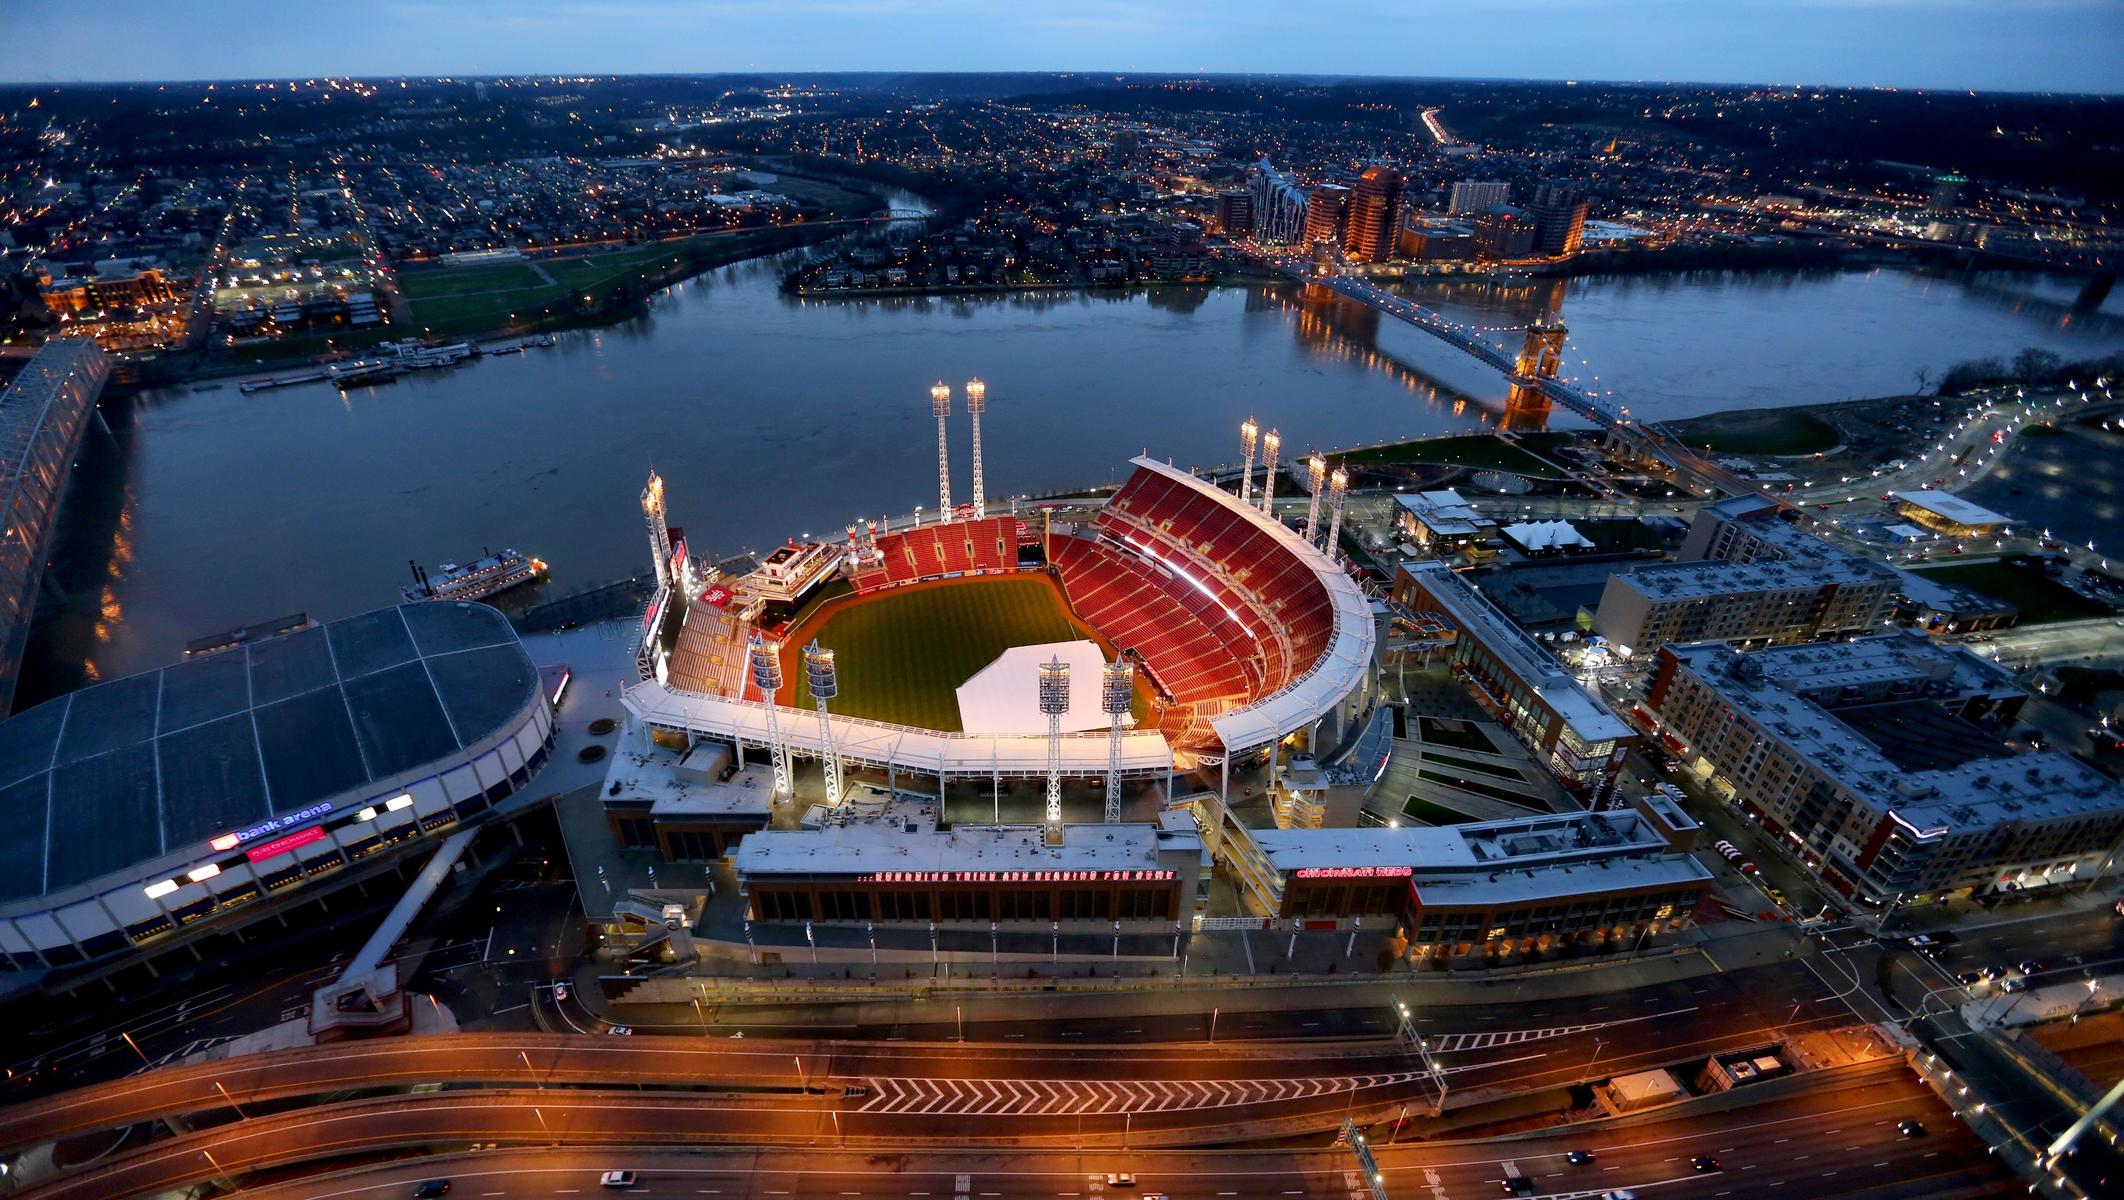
1598 1046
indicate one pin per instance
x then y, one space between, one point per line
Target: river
770 416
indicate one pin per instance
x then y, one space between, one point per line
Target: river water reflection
772 416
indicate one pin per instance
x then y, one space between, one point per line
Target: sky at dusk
2017 45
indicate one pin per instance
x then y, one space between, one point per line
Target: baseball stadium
1238 632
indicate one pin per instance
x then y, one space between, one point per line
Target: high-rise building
1478 195
1326 208
1559 219
1503 233
1278 202
1369 233
1235 212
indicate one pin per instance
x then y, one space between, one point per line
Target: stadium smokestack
1054 701
1315 482
1117 691
1338 492
659 528
1270 443
940 404
976 403
1249 435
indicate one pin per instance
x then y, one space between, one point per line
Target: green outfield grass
903 654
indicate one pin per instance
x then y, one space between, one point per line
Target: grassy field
454 301
2040 598
1772 431
903 654
1482 452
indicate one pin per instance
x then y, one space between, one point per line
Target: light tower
976 402
1117 690
767 676
940 404
1270 443
659 530
825 684
1338 491
1315 481
1249 435
1054 701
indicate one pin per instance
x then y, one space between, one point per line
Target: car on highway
1120 1179
1969 978
1909 1128
1993 972
429 1189
560 992
621 1030
1579 1158
1703 1164
2013 984
2030 966
616 1179
1619 1194
1516 1185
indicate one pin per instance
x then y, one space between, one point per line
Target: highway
1823 1142
1484 1050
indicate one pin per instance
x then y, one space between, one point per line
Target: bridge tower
1540 355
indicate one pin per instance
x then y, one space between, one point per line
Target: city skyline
2019 45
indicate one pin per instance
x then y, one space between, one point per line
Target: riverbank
1858 433
604 296
1004 289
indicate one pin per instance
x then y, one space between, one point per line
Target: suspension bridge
1536 386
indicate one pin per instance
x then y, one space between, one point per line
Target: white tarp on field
1004 696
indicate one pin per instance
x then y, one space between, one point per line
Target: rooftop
1952 507
1474 615
129 770
1476 847
1777 690
902 835
1559 881
689 784
1445 512
1713 577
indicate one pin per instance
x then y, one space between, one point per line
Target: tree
1968 376
2035 365
1923 375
